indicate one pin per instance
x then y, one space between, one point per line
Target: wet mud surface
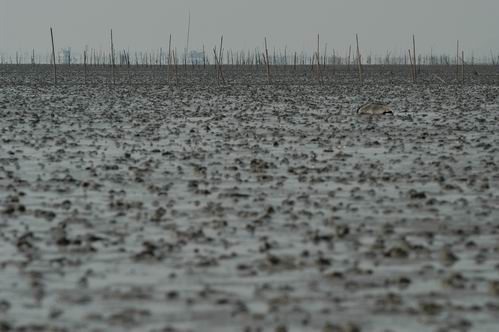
249 207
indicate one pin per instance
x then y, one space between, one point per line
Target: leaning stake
53 56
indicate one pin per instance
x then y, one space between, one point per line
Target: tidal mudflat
190 206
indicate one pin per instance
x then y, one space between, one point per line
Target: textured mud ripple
250 207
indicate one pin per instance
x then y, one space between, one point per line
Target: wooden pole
325 56
128 67
334 61
85 64
112 57
318 59
462 66
359 60
169 58
267 60
188 35
53 57
219 66
204 59
349 57
220 56
168 69
175 65
220 59
216 63
457 61
412 66
414 56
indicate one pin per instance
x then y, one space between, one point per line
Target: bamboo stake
53 57
112 57
325 56
266 56
220 74
169 58
216 64
348 60
414 56
85 64
204 59
220 56
318 59
188 35
457 61
412 66
220 59
128 67
462 67
220 66
359 61
349 56
175 65
334 62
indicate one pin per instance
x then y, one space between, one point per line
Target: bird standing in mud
374 109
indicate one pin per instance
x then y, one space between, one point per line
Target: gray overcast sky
145 24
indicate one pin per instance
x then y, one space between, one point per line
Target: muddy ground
192 206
